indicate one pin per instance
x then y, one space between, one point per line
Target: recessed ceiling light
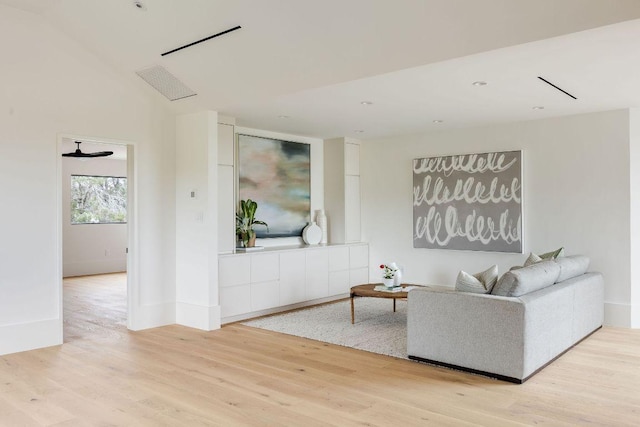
479 83
538 107
366 103
139 5
438 121
283 117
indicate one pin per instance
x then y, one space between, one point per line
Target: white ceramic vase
388 282
312 234
397 277
321 220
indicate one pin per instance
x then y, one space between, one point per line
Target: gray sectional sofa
533 315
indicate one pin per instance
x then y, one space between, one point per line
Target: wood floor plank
241 376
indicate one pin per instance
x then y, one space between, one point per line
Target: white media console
277 279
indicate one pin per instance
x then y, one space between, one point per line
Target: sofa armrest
475 331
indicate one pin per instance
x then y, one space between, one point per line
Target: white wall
576 194
91 248
49 85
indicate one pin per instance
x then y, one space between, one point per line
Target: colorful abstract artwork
277 175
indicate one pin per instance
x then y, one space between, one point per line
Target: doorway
96 200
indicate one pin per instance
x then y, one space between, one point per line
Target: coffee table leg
394 305
352 314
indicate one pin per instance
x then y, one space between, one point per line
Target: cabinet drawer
358 256
264 295
339 282
292 277
338 258
317 274
235 300
265 268
234 270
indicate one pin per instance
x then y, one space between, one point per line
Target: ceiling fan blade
101 154
87 155
80 154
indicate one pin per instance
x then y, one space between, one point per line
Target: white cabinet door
351 159
234 270
264 295
225 144
358 264
339 282
264 268
235 300
317 274
358 256
226 210
292 277
352 208
338 258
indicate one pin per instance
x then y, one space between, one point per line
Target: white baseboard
30 336
152 316
253 314
635 316
197 316
88 268
617 315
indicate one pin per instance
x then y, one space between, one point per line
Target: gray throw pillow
479 283
533 258
553 254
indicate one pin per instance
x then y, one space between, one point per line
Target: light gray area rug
377 328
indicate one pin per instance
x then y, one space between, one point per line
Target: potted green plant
245 220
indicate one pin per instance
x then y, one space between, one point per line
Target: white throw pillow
533 258
479 283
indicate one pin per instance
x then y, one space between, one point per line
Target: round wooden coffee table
368 291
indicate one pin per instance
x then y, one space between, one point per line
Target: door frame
132 221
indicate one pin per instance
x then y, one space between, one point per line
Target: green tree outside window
98 199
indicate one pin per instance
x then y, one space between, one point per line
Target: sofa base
498 376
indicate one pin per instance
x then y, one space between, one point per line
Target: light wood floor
176 376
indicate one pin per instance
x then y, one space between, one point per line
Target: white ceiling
315 61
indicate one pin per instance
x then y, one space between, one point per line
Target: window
98 199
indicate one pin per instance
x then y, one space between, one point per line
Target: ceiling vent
165 83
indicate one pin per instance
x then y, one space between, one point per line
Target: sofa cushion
527 279
479 283
572 266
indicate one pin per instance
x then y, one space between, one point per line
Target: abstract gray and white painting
468 202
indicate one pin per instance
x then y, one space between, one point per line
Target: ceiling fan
80 154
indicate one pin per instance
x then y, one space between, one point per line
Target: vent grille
165 83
